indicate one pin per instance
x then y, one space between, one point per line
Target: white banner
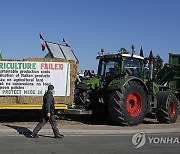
28 78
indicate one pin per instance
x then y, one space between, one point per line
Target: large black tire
128 105
168 107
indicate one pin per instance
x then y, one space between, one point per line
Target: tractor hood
89 83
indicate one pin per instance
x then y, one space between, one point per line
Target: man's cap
50 87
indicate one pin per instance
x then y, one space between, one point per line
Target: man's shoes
34 135
59 136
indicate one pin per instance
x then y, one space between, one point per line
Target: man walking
47 114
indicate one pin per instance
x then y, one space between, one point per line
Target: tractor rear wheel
128 105
168 107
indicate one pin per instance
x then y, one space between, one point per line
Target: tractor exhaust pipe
151 65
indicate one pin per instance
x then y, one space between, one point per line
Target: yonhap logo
138 139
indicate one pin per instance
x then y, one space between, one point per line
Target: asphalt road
89 137
91 144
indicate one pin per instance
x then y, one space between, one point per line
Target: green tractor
127 88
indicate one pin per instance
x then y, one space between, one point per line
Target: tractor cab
119 65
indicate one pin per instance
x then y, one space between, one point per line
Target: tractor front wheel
83 98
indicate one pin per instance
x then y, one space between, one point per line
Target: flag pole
67 81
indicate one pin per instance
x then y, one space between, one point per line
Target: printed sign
30 78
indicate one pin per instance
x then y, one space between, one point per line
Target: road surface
89 144
89 137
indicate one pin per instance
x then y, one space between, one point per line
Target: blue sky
88 26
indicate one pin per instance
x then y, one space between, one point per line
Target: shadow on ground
99 120
21 130
25 131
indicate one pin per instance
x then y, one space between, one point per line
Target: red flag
43 43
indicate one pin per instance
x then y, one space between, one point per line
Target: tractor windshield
133 66
113 66
109 66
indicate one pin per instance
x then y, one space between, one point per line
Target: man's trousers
44 119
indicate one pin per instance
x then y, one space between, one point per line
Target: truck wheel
128 105
168 108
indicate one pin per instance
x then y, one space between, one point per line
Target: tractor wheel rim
172 109
134 104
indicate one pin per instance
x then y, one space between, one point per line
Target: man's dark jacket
48 102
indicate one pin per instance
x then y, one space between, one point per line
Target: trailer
23 82
174 60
